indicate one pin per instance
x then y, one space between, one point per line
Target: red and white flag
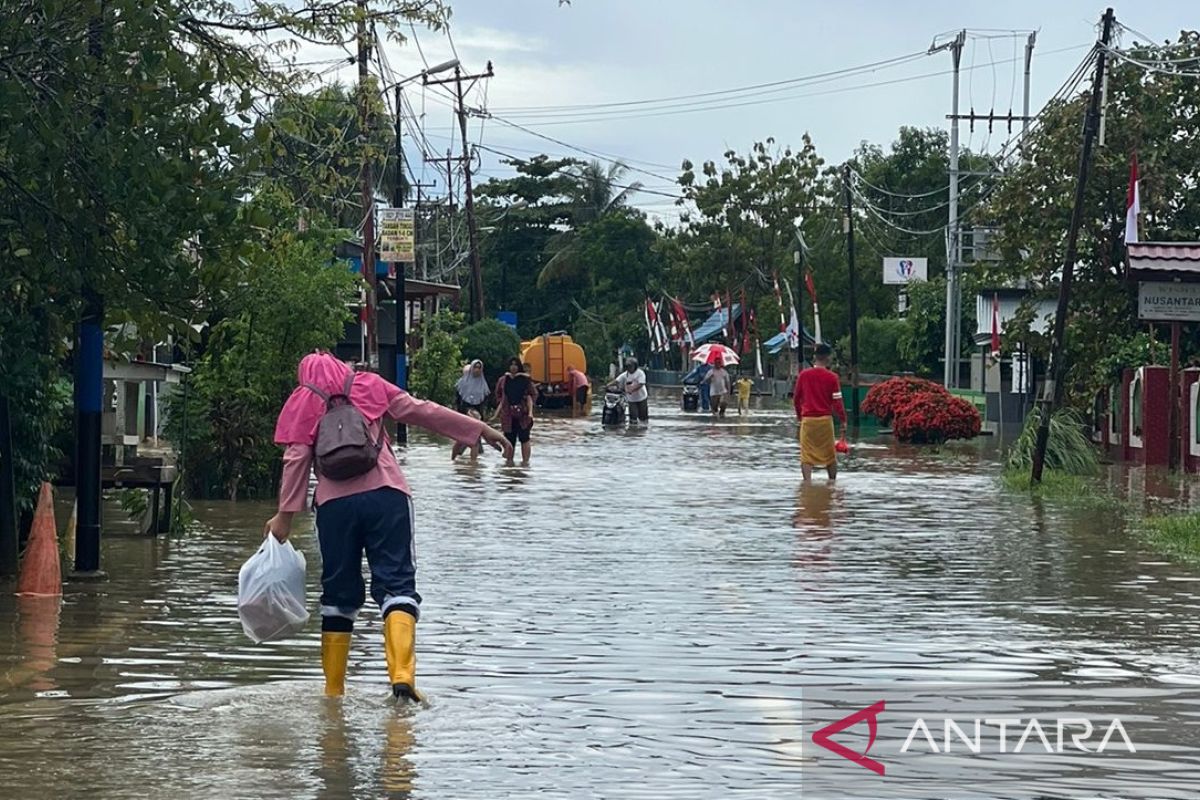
681 324
995 326
1133 203
812 292
655 329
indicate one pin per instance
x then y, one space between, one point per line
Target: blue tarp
779 341
715 324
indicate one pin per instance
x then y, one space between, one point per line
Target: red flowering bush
935 417
884 399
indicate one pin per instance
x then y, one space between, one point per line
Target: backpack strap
316 391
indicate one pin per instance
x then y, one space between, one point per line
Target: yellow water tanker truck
548 357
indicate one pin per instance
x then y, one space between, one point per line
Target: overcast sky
551 59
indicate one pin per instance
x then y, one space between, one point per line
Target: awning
716 323
778 342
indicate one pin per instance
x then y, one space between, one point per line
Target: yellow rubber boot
335 656
399 634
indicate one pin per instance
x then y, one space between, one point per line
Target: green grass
1175 534
1067 488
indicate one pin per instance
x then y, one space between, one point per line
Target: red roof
1170 256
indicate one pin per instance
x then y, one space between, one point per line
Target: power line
584 150
816 77
583 117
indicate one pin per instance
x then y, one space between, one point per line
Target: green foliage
493 343
1177 534
134 502
1068 450
879 345
290 301
1032 206
437 366
129 138
1125 352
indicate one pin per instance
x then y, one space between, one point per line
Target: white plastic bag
271 591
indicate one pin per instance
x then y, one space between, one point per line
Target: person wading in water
817 396
362 504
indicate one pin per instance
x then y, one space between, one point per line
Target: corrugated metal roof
1165 256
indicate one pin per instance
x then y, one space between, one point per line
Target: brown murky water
635 615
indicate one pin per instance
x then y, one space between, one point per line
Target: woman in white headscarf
471 393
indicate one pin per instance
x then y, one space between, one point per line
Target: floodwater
637 614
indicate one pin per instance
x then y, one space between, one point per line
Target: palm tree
595 190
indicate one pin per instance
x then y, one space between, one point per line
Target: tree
129 136
290 300
493 343
437 366
1150 112
594 191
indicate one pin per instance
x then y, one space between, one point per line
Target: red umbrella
715 353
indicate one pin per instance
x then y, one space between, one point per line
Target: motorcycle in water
691 397
614 407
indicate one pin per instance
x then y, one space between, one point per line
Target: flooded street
637 614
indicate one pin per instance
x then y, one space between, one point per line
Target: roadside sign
1161 301
396 239
905 270
509 318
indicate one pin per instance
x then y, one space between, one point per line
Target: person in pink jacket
371 512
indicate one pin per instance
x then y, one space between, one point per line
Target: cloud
495 40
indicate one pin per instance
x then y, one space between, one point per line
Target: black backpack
343 446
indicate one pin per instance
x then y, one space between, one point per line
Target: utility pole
368 191
1053 393
1029 43
468 190
89 381
954 245
852 296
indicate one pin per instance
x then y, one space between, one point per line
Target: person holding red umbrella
720 384
817 397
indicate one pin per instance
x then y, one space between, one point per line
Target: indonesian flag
684 328
812 292
995 326
793 326
655 329
779 300
1133 203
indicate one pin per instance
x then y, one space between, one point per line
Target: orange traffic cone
40 570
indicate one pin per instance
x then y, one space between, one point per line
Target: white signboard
905 270
396 235
1168 302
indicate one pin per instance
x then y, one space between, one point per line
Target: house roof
1176 257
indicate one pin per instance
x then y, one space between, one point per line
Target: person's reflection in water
337 752
813 521
398 773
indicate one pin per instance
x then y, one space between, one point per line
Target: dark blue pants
705 395
378 522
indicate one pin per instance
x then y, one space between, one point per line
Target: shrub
878 345
884 399
493 343
437 365
1068 449
933 417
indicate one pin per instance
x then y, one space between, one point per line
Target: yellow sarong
816 441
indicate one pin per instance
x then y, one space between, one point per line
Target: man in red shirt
817 397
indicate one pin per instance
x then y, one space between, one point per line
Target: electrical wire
721 92
583 119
